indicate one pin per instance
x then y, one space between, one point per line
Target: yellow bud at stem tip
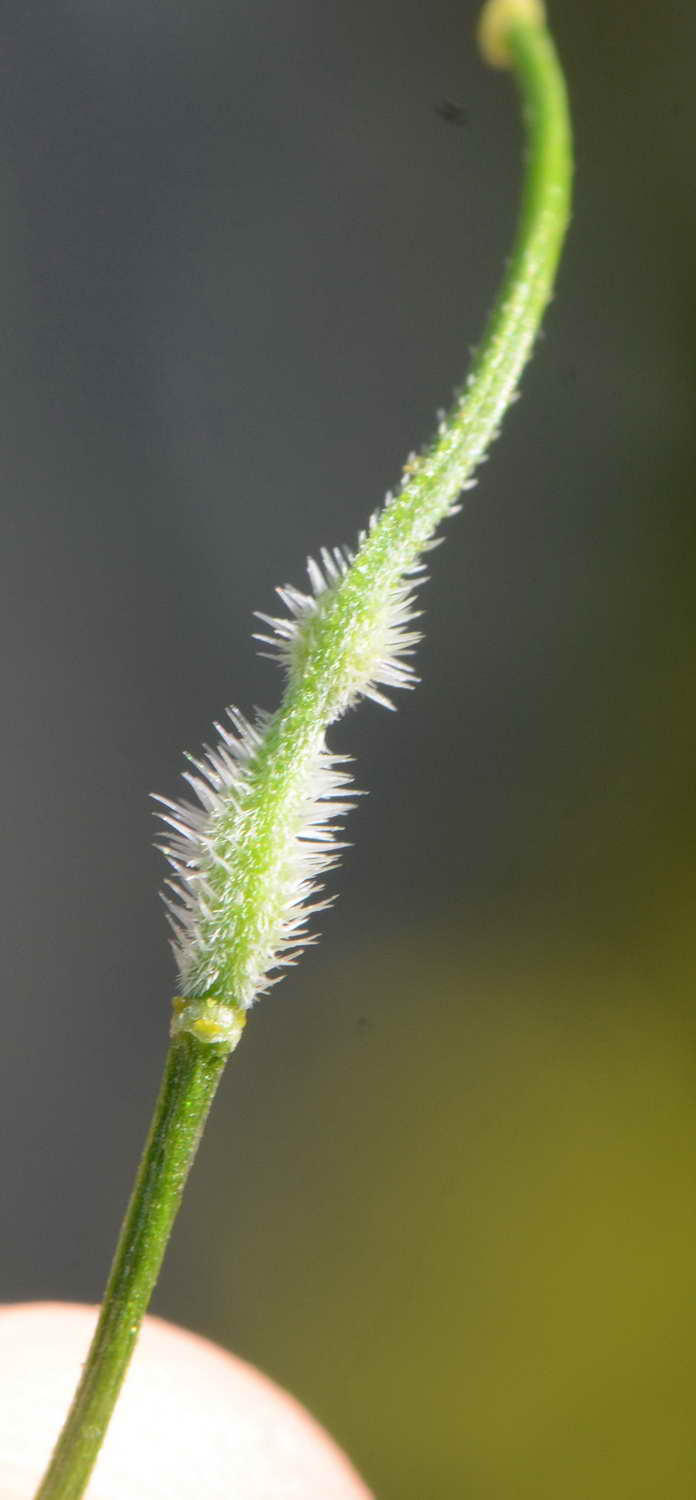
495 21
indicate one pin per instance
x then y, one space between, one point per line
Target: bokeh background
447 1195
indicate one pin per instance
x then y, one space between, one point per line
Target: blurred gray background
447 1193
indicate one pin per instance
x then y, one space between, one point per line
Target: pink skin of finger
192 1422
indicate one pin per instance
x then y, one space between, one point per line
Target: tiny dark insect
452 113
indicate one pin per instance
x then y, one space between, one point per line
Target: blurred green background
447 1196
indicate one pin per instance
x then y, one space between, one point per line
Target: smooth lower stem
191 1076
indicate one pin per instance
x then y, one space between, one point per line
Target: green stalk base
191 1076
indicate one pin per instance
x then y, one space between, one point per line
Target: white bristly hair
246 880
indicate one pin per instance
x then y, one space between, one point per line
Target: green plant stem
318 688
191 1076
240 929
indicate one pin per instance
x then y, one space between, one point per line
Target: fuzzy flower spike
249 855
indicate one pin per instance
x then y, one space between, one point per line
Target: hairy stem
250 827
245 921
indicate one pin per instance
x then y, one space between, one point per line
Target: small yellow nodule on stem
494 22
208 1021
